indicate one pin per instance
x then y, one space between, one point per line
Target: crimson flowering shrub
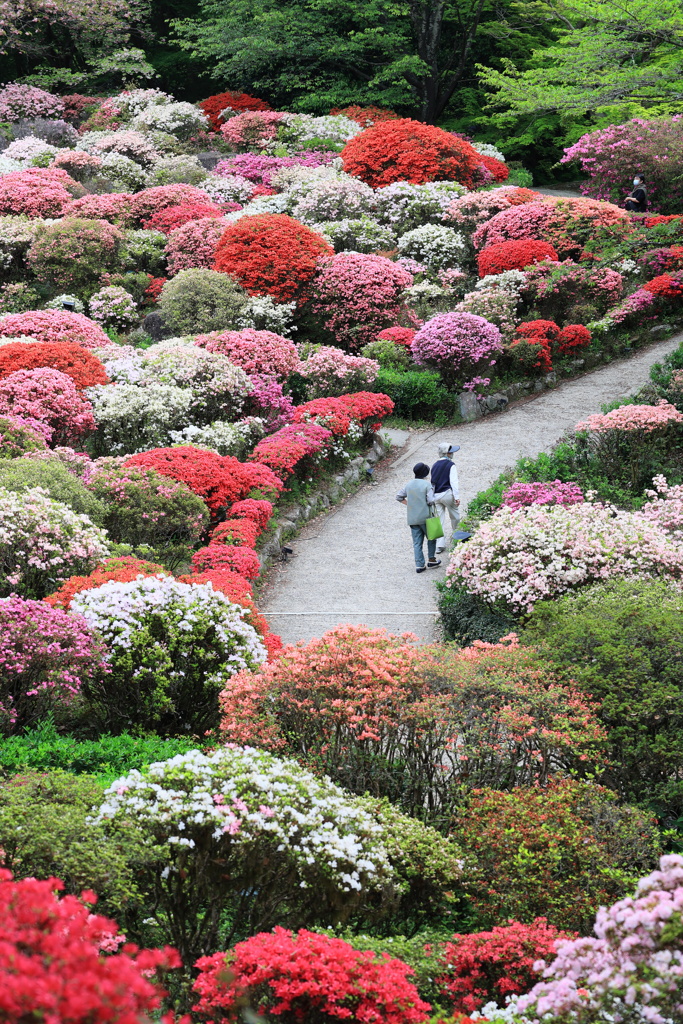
337 414
365 116
513 255
366 406
172 217
240 532
143 205
46 657
356 295
490 966
51 962
287 447
193 244
156 284
49 397
553 492
218 479
239 559
75 361
213 106
399 335
405 150
560 852
497 169
122 568
37 191
111 206
296 976
537 341
54 325
666 286
229 582
250 508
257 352
456 344
72 253
77 107
18 436
271 254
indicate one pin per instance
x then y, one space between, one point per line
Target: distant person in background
418 496
446 491
637 201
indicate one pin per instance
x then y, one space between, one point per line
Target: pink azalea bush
253 129
357 295
665 507
270 403
631 971
329 371
26 101
111 206
52 325
536 552
37 192
260 168
19 436
257 352
475 208
456 344
194 244
144 204
629 418
51 398
555 492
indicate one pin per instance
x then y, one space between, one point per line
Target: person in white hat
446 490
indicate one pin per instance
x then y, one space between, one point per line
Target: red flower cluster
122 569
153 289
82 366
406 150
497 168
305 976
573 336
666 286
241 560
51 968
365 116
272 254
652 222
237 101
251 508
143 205
491 965
332 413
514 255
240 532
172 217
399 335
537 340
284 449
366 406
218 479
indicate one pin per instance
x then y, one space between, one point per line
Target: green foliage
661 373
466 619
559 852
21 474
416 394
421 952
17 297
142 251
199 301
622 643
388 354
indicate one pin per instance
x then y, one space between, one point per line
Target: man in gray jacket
418 495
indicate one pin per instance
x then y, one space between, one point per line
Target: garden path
355 564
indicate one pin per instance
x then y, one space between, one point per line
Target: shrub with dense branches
405 150
73 253
37 191
213 106
194 244
257 352
51 400
513 255
54 325
75 361
143 205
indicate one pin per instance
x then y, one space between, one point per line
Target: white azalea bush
43 542
333 199
236 439
361 235
404 206
296 129
179 119
434 245
132 419
171 646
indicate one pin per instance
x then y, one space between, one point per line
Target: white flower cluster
181 169
134 101
59 300
228 188
244 795
263 313
362 235
28 149
132 419
486 149
236 439
333 199
510 281
179 119
7 165
404 206
16 234
435 245
125 174
296 129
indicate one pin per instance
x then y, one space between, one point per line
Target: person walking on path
637 201
418 495
446 490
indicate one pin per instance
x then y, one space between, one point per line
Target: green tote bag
433 527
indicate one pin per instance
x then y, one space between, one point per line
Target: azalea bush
555 492
294 448
122 568
72 253
468 211
194 244
50 400
434 245
260 352
513 255
231 103
178 641
330 371
18 436
54 325
404 205
567 291
114 307
456 344
131 419
69 358
37 192
172 217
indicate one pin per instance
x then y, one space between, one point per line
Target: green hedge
417 394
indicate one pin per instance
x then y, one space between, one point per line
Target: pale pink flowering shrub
555 492
329 371
665 507
78 463
357 295
112 206
37 191
53 325
113 306
632 971
253 129
194 244
132 144
26 101
456 344
259 168
46 655
19 436
257 352
517 558
632 418
51 398
79 165
475 208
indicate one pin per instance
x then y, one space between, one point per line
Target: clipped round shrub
174 118
271 254
75 361
399 335
72 253
144 204
242 560
54 325
43 542
37 192
257 352
50 399
112 306
513 255
27 101
361 235
202 300
405 150
194 244
17 436
122 568
172 217
306 975
53 477
46 656
559 852
434 245
111 206
456 344
332 199
131 419
178 641
329 371
213 106
404 206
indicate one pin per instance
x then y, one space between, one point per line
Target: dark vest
441 475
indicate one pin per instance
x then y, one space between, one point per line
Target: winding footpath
355 563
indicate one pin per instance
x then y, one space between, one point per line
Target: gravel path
355 564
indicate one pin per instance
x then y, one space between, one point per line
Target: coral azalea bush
75 361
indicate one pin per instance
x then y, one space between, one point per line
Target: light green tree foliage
615 58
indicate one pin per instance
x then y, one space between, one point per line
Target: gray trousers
448 513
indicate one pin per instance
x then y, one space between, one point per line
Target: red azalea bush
652 222
77 107
50 398
111 206
122 569
240 532
234 558
513 255
356 295
172 217
666 286
51 965
332 413
399 335
251 508
261 352
237 101
144 204
490 966
285 449
367 406
218 479
54 325
75 361
406 150
537 341
229 582
496 168
155 286
306 976
37 192
573 336
271 254
365 116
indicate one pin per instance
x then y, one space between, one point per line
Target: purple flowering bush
456 344
46 656
260 169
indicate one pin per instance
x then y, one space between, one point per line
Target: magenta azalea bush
456 344
49 398
555 492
